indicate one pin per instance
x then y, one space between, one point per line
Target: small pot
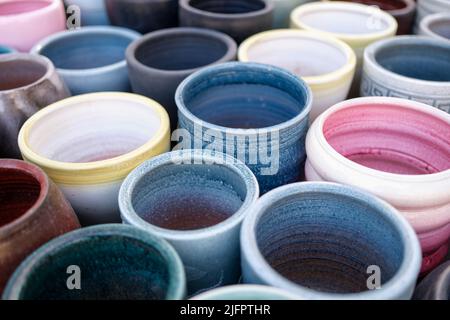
93 12
25 22
90 59
143 15
436 25
239 18
88 144
27 84
114 262
254 112
323 241
246 292
197 202
5 50
33 211
398 150
160 60
409 67
326 64
436 285
356 24
427 7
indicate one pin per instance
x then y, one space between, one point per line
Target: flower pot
282 11
88 144
398 150
436 25
27 84
197 202
427 7
33 211
143 15
326 64
246 292
5 50
93 12
436 285
239 18
114 262
160 60
254 112
25 22
356 24
323 241
409 67
91 59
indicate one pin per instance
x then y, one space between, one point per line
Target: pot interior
17 7
188 196
93 130
441 27
228 6
390 138
326 242
19 73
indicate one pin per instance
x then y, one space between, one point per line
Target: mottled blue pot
197 202
90 59
436 285
254 112
246 292
4 50
319 241
93 12
115 262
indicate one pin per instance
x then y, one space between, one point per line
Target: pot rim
177 286
109 170
239 289
403 277
268 7
409 8
432 18
130 216
52 6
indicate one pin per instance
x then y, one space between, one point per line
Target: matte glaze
427 7
436 285
436 25
246 292
93 12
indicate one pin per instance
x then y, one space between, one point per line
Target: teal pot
5 50
93 12
111 262
245 292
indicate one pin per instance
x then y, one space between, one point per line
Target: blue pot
254 112
93 12
4 50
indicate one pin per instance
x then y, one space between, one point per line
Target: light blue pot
93 12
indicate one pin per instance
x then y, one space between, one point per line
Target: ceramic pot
93 12
282 11
409 67
254 112
197 202
90 59
88 144
398 150
356 24
5 50
33 211
321 241
239 18
427 7
326 64
27 84
436 285
436 25
143 15
115 262
160 60
25 22
246 292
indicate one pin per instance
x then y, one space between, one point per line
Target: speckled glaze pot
143 15
282 11
5 50
32 211
427 7
398 150
116 262
436 25
89 143
239 18
246 292
24 22
254 112
90 59
160 60
27 84
326 64
93 12
436 285
410 67
197 202
331 235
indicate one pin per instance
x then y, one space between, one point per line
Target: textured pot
115 262
436 285
246 292
326 64
356 24
282 11
427 7
160 60
88 144
91 59
319 241
410 67
197 202
25 22
239 18
398 150
254 112
93 12
143 15
27 84
33 211
5 50
436 25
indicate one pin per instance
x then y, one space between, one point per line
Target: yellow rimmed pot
89 143
325 63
